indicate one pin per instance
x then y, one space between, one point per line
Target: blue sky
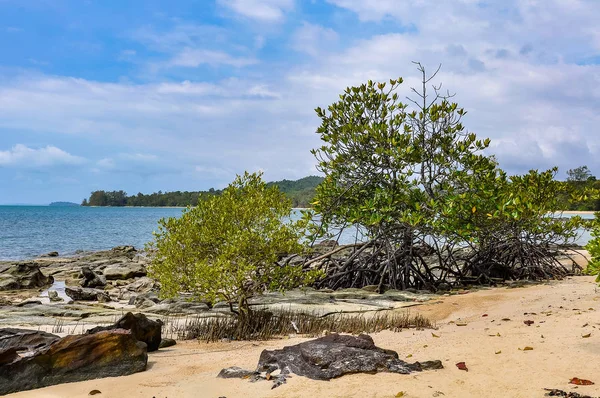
182 95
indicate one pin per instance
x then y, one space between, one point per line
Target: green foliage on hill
300 192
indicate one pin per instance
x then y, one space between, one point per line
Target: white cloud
22 156
134 163
192 58
517 76
106 163
260 10
311 38
215 172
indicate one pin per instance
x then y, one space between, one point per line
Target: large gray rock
142 285
332 356
124 271
24 339
141 328
22 275
73 358
91 279
87 294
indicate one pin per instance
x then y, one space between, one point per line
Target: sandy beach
491 344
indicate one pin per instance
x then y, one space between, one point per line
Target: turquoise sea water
28 231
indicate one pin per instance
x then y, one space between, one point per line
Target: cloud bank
209 98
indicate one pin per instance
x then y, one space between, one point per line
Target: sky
149 95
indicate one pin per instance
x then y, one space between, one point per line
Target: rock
8 356
144 300
142 285
23 275
24 339
53 296
235 372
144 303
87 294
333 356
124 271
164 343
141 328
91 279
430 365
29 302
75 358
181 307
560 393
127 250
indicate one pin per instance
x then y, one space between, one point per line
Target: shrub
593 247
229 247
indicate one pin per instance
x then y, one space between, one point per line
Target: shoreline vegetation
571 199
301 192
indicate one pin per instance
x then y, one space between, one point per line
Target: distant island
301 192
63 204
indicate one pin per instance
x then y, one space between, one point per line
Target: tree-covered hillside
301 192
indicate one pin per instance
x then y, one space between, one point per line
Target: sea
29 231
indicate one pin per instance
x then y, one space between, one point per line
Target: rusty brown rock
76 358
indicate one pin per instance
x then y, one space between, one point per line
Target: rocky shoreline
81 301
72 305
71 294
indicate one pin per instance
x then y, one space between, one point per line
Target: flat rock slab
329 357
74 358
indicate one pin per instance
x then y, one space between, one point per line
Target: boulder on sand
141 328
75 358
22 275
329 357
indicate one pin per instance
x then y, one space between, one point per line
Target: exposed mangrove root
416 264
